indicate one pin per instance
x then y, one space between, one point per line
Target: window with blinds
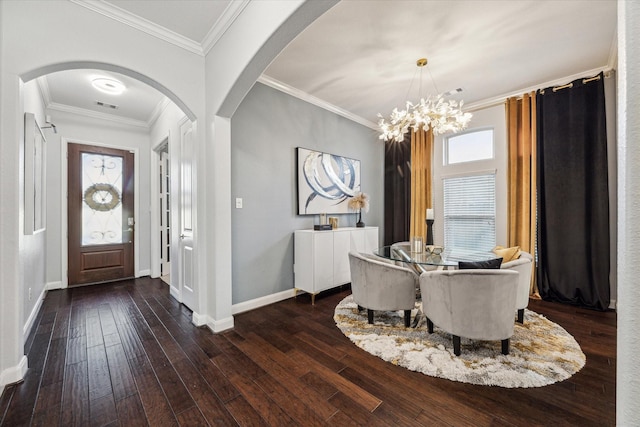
470 212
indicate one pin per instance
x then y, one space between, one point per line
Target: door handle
128 229
182 236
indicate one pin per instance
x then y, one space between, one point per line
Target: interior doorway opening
164 198
144 111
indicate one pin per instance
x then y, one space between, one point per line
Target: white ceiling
192 19
72 91
360 56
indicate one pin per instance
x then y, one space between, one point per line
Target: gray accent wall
265 131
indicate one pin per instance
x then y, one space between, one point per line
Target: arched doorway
88 128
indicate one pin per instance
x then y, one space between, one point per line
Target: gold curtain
521 128
421 180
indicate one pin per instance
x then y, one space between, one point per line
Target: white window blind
470 212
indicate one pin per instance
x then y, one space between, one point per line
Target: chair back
476 304
378 285
523 266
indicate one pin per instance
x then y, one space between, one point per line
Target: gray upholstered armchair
523 266
475 304
378 285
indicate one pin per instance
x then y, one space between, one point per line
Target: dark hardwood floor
127 354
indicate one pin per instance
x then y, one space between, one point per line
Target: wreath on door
102 197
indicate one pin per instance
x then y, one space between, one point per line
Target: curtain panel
421 180
521 197
573 200
397 191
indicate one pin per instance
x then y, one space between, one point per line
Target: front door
100 214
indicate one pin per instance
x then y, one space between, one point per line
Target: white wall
73 128
32 263
493 117
628 345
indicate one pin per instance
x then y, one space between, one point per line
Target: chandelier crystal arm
441 115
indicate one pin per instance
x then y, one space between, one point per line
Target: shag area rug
541 352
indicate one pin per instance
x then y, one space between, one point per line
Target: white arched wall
232 67
40 37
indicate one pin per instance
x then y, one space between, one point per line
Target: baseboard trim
50 286
26 330
15 373
199 319
143 273
262 301
613 304
220 325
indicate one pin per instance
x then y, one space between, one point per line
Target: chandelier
442 115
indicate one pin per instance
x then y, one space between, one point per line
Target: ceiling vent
105 105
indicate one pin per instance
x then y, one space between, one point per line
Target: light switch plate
238 203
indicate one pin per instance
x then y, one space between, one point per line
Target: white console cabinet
321 258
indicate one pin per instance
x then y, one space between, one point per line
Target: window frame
445 146
489 117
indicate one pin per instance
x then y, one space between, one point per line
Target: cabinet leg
313 299
295 292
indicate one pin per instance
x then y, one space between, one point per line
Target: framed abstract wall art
325 182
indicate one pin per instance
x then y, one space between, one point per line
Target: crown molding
134 21
155 114
232 11
97 115
43 84
297 93
493 101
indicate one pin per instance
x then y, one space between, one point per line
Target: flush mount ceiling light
110 86
442 115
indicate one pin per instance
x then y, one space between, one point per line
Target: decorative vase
360 224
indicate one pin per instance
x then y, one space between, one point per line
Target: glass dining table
443 258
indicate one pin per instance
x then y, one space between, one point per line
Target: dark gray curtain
573 195
397 191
